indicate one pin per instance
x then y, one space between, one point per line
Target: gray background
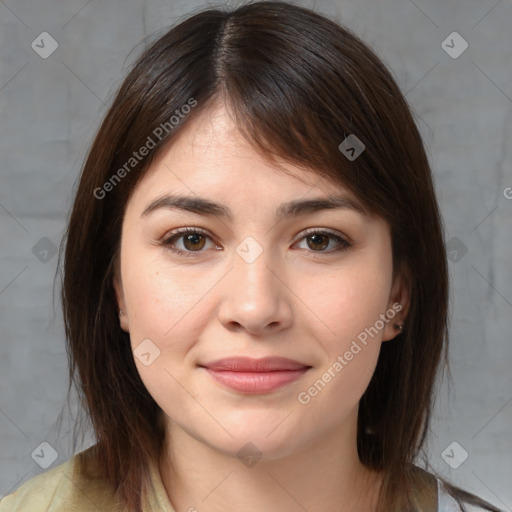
51 108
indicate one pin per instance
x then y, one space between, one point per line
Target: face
315 288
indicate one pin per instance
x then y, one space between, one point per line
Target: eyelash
178 233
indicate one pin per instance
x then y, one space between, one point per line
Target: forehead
210 156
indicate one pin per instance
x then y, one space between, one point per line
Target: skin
297 300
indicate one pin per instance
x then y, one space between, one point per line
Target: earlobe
395 325
121 309
398 308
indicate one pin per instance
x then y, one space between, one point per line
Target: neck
325 476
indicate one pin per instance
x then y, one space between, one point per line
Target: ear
118 288
398 307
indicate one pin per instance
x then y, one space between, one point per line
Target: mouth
255 376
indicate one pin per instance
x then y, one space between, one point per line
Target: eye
194 241
318 240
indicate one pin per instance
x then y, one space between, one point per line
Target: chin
257 436
253 449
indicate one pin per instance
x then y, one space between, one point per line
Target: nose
255 296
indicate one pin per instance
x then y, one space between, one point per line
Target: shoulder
40 491
447 503
66 488
431 494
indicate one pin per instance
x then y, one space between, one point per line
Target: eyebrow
203 206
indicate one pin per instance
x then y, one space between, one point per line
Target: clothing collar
158 500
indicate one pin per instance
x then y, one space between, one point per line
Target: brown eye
193 242
319 241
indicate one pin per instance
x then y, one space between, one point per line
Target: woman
255 283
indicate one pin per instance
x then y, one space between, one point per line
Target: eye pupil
194 238
316 237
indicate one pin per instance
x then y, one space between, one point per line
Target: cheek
163 302
346 302
348 325
163 323
351 307
163 381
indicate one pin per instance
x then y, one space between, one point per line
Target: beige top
66 489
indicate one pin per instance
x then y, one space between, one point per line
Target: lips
247 364
248 375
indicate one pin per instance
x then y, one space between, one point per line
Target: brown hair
297 84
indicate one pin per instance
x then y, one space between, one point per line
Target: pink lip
255 375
